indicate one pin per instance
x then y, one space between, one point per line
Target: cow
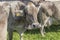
4 11
50 10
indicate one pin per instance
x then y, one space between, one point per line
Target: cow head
31 14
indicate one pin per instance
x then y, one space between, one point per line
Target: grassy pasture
51 34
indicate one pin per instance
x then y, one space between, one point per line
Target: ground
51 34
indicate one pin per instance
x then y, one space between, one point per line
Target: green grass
51 34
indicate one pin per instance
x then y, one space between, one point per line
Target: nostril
34 26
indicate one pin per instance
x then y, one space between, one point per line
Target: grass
51 34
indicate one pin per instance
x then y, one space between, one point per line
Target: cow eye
22 7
